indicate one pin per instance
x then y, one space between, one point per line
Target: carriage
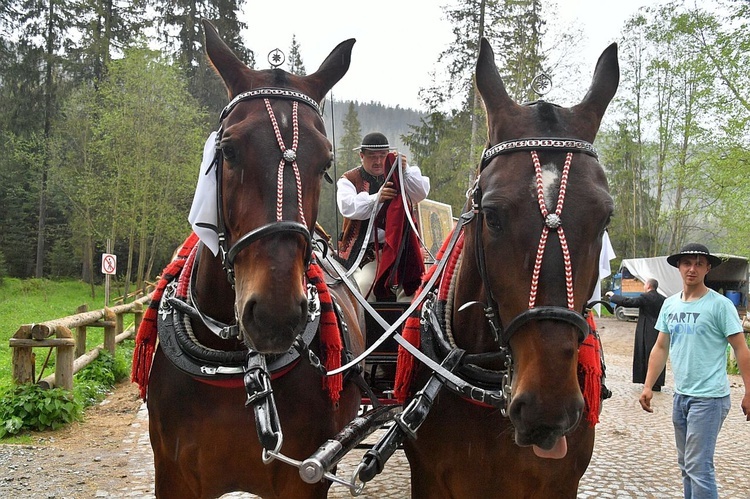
489 379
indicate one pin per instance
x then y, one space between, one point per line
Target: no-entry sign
109 264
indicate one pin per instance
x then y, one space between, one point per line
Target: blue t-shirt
698 333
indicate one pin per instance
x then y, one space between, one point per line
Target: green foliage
678 161
110 148
447 144
179 28
36 300
346 155
443 153
31 407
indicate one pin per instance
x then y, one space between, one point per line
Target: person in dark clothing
648 304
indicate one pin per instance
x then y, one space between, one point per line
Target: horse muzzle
270 326
544 428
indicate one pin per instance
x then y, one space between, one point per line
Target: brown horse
466 449
203 437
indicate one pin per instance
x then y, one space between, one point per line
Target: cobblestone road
634 455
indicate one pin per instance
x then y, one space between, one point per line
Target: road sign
109 264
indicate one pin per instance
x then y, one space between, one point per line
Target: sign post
109 267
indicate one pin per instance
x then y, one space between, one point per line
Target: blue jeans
697 421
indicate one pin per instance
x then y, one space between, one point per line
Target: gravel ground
108 455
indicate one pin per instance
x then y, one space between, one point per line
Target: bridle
288 157
552 221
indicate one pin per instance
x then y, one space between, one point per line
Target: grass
38 300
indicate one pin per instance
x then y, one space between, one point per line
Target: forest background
105 106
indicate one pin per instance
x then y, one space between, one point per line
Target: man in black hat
695 327
364 189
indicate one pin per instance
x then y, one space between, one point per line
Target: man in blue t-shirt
695 327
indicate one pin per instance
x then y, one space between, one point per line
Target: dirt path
92 458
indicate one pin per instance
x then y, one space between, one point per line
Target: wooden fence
71 354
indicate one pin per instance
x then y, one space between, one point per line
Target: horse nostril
518 407
248 312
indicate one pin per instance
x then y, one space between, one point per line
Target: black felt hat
693 249
375 141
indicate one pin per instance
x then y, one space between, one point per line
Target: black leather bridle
503 334
229 254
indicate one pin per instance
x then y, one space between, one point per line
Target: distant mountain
393 122
373 117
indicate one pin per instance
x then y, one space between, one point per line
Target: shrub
34 408
30 407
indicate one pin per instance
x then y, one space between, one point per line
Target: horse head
537 276
273 155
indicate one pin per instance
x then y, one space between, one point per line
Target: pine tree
346 155
457 136
183 17
296 66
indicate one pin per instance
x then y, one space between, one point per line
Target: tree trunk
40 241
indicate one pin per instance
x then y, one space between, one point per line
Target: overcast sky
398 41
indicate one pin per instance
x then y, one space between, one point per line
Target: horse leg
172 480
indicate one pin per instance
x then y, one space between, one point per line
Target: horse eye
228 151
493 220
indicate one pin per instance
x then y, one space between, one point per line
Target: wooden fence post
81 333
23 358
137 316
64 362
110 331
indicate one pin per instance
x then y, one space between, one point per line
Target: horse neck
213 294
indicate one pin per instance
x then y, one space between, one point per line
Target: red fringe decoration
590 368
411 330
330 337
145 340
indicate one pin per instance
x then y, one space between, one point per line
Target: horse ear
232 70
603 86
489 83
332 70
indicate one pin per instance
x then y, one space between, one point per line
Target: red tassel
412 331
330 337
590 366
145 339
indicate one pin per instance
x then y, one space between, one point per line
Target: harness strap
390 329
552 221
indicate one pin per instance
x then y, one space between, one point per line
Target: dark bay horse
529 281
273 155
